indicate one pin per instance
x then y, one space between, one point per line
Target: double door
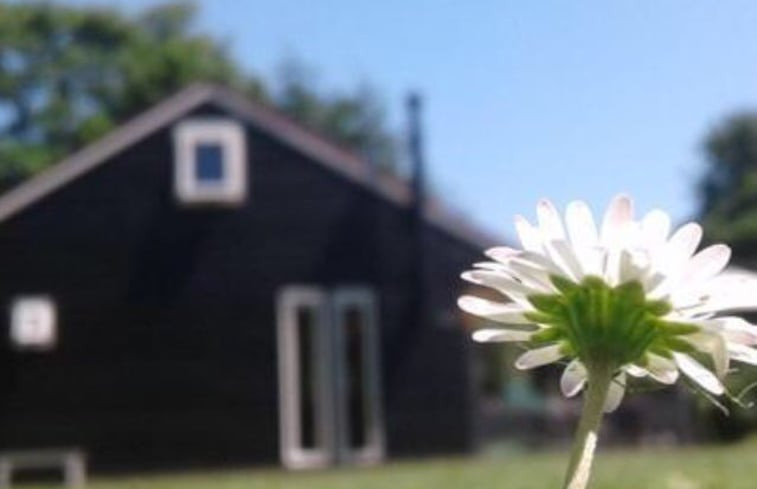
329 385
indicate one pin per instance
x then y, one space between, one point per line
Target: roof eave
308 143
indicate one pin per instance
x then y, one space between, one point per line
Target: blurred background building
211 283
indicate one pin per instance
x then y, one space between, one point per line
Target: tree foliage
69 74
728 200
728 188
355 119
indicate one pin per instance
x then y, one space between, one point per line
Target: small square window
33 323
210 162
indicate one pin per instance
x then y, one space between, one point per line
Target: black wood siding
167 346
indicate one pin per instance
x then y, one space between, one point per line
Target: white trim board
301 139
364 299
97 153
292 452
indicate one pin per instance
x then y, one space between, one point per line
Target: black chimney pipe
416 214
415 313
415 149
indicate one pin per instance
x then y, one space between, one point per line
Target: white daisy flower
628 297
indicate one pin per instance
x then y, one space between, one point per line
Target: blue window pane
209 163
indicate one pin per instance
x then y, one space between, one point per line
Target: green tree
355 119
728 211
728 188
69 74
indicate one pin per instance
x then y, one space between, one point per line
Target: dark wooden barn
213 284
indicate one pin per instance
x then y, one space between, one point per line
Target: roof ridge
306 140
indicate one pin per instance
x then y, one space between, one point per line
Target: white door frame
293 454
373 450
330 364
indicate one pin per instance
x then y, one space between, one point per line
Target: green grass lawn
726 467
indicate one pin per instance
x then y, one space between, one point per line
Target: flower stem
585 440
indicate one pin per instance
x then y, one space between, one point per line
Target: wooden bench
71 461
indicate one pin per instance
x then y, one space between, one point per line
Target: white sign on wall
33 323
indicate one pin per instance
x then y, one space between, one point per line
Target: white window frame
230 136
293 454
16 330
374 449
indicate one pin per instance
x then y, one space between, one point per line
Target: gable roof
317 148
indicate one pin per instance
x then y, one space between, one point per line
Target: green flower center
603 325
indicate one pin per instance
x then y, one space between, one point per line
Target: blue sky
526 99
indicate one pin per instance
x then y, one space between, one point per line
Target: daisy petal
562 255
713 344
531 274
699 374
706 264
619 212
491 265
540 261
573 378
615 393
593 260
580 224
655 227
734 329
739 331
731 290
539 356
500 281
550 224
502 254
674 257
491 335
661 369
528 235
685 240
743 354
632 265
730 300
635 371
494 311
679 249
